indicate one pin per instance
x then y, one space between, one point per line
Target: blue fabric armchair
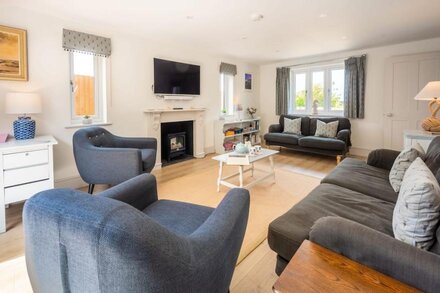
104 158
126 240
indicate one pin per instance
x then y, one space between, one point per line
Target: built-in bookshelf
229 133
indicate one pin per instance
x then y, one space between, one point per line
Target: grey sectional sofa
307 141
351 212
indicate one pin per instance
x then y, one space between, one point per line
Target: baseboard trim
210 150
359 151
70 182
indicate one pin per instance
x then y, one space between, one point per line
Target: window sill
87 125
337 115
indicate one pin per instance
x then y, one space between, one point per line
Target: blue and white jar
24 128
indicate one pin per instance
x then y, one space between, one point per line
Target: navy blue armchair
104 158
126 240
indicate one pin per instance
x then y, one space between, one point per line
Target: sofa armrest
382 158
344 135
410 265
135 142
275 128
139 192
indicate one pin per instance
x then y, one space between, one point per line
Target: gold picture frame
13 54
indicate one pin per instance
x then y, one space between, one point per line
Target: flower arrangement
251 111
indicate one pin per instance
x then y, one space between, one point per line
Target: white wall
368 132
131 80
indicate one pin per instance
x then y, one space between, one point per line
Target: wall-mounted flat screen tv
175 78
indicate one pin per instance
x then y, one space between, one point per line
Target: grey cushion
305 123
292 126
286 138
287 232
432 157
402 163
357 175
344 123
329 129
180 217
148 159
322 143
417 210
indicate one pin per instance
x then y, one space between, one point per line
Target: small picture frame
13 54
248 81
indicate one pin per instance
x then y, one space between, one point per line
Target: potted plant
87 119
251 111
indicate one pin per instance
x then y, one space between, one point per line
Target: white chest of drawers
411 137
26 168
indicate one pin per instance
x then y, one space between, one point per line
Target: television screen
174 78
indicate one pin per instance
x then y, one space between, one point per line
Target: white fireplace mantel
157 116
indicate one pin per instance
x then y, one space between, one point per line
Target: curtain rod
323 61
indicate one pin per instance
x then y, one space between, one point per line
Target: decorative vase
24 128
87 121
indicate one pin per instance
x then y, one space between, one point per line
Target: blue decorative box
24 128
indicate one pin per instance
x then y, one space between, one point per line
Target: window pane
337 90
300 91
227 93
84 84
318 88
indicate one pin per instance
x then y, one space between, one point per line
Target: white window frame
227 102
308 70
101 75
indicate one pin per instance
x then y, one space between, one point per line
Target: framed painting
13 54
248 81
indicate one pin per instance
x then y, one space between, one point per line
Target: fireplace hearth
177 141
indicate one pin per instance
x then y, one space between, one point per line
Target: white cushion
292 125
326 129
402 163
417 209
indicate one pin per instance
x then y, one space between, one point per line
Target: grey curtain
86 43
354 91
228 68
282 90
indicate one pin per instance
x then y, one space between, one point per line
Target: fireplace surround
155 117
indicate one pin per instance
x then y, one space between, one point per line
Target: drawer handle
26 154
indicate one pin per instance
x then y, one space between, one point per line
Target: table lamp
431 92
23 104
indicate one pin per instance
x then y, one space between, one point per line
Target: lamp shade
22 103
430 91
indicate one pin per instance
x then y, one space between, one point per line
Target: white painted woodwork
157 116
411 137
27 168
405 76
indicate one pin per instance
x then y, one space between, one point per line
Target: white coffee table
222 159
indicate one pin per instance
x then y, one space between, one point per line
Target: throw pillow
417 209
326 129
401 164
292 125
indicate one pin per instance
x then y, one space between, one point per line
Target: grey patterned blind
86 43
228 68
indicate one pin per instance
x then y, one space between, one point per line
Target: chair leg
91 187
339 158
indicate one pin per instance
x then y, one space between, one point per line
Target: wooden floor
254 274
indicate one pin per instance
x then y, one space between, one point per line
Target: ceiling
289 29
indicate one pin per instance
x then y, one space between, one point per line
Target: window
88 87
227 93
323 85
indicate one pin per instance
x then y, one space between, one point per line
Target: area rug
269 199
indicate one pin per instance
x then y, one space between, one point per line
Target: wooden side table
26 168
314 268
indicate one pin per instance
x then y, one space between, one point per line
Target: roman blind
86 43
228 68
